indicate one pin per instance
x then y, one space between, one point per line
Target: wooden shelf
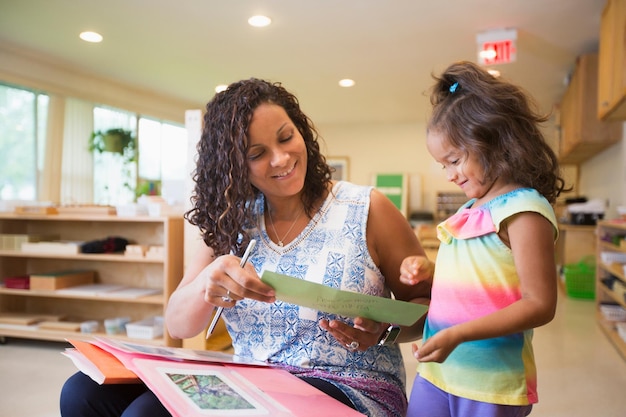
603 293
84 257
61 336
148 299
161 274
608 327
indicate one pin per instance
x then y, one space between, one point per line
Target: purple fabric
429 401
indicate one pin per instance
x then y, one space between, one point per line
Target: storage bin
150 328
613 312
613 257
580 279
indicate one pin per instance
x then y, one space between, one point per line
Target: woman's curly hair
223 199
496 122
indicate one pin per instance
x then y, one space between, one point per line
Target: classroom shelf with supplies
119 287
611 281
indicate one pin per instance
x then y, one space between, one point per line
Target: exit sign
497 47
499 52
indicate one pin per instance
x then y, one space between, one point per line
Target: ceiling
185 48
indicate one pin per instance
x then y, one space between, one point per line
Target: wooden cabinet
161 273
575 243
614 275
582 133
612 62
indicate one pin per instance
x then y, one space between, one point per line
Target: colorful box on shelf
56 280
35 209
21 282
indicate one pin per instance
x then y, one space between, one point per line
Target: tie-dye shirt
475 275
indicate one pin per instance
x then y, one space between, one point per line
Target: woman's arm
390 239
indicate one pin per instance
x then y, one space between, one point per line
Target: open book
212 387
99 364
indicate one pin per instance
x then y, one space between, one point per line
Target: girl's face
277 155
462 169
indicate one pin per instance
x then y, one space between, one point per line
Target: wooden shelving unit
161 274
604 294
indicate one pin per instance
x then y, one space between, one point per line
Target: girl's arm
531 238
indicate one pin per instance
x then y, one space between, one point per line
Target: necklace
280 241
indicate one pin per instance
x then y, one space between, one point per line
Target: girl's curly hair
223 199
496 122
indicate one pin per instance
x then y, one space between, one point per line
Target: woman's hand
415 269
209 281
226 282
364 334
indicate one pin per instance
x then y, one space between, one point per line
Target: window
23 116
160 165
115 180
162 159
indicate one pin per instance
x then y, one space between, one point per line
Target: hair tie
453 87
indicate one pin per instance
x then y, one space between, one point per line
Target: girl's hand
415 269
364 334
438 347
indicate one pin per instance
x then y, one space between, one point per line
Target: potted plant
120 147
114 140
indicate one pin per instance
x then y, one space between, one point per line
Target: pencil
218 313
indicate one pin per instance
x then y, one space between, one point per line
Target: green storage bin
580 278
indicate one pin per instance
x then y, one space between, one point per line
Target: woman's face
277 155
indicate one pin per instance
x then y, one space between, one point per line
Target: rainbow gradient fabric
475 275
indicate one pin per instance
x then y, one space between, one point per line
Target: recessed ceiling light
259 21
346 82
92 37
220 88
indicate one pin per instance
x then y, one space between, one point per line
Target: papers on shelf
57 247
108 290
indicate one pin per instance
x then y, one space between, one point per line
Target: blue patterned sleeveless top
331 250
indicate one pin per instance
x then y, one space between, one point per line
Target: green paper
344 303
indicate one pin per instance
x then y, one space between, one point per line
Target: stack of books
198 383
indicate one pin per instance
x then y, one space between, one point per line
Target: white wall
604 177
377 148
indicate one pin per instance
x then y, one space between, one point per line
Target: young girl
495 274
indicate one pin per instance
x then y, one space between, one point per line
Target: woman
259 165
